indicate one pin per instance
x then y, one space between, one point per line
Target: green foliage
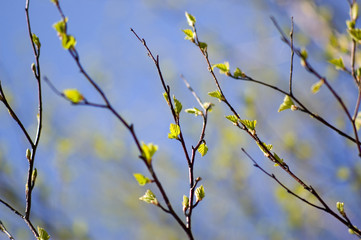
149 197
287 103
189 34
36 41
165 95
185 203
203 46
177 105
223 67
68 41
194 111
43 235
148 151
238 73
338 63
217 94
358 121
190 19
174 131
278 159
141 179
233 118
304 56
208 106
355 34
203 149
73 95
354 11
200 194
251 125
60 26
340 207
34 175
268 147
316 86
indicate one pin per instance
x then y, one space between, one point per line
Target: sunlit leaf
36 40
316 86
174 131
141 179
43 235
358 121
177 105
185 203
223 67
165 95
287 103
203 149
200 194
190 19
216 94
278 159
208 106
203 46
73 95
189 34
149 197
68 41
148 151
355 34
233 118
238 73
194 111
60 26
251 125
268 147
338 63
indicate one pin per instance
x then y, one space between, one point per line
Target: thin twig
292 56
4 230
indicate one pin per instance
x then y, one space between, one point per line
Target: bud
28 154
185 203
33 177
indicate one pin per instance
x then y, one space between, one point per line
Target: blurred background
86 158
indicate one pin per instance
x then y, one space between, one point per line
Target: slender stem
292 56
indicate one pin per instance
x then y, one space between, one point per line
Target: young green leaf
174 131
200 194
268 147
149 197
278 159
189 34
340 207
60 26
358 121
43 235
36 40
165 95
251 125
355 34
316 86
287 103
203 149
203 46
34 175
73 95
223 67
148 151
217 94
68 41
238 73
178 106
141 179
233 118
190 19
354 11
338 63
194 111
185 203
208 106
304 56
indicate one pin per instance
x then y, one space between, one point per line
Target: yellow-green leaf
223 67
316 86
200 194
141 179
68 41
73 95
233 118
189 34
251 125
268 147
43 235
358 121
60 26
278 159
238 73
217 94
355 34
287 103
190 19
36 40
203 149
174 131
149 197
338 63
148 151
194 111
185 203
177 105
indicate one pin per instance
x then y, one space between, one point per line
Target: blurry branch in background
30 153
4 230
249 126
